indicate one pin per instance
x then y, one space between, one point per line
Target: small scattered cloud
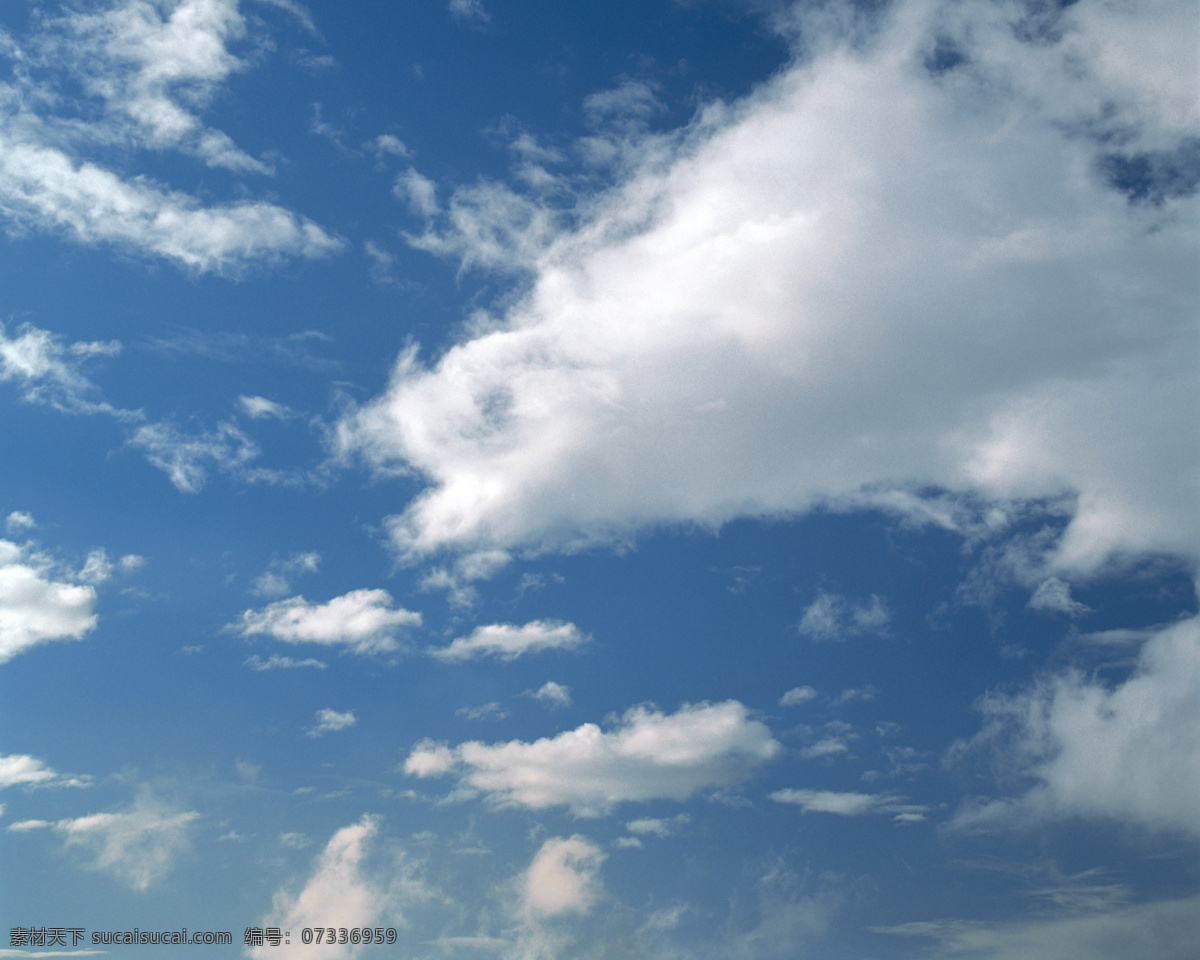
648 755
833 617
797 696
658 827
553 694
852 694
388 145
506 641
1054 596
277 579
853 804
19 521
487 711
295 841
330 721
276 662
50 372
471 11
259 408
364 621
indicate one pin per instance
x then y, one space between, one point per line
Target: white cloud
341 885
144 69
186 458
554 694
338 887
861 277
649 755
138 846
470 10
388 144
562 878
833 617
330 721
34 607
797 696
19 520
276 580
486 711
276 662
1165 930
19 769
49 371
1128 753
259 407
295 841
507 641
1053 595
848 804
658 826
362 620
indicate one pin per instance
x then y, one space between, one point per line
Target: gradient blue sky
664 480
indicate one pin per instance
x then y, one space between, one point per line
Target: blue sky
666 480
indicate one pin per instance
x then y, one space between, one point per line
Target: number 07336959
348 935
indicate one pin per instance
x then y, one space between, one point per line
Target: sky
673 480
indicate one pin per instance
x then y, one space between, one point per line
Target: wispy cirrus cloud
138 845
145 69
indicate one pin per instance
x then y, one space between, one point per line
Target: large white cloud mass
936 254
650 755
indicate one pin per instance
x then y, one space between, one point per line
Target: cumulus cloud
848 804
1130 752
329 720
35 607
562 878
869 275
648 755
138 845
364 621
506 641
144 70
19 769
